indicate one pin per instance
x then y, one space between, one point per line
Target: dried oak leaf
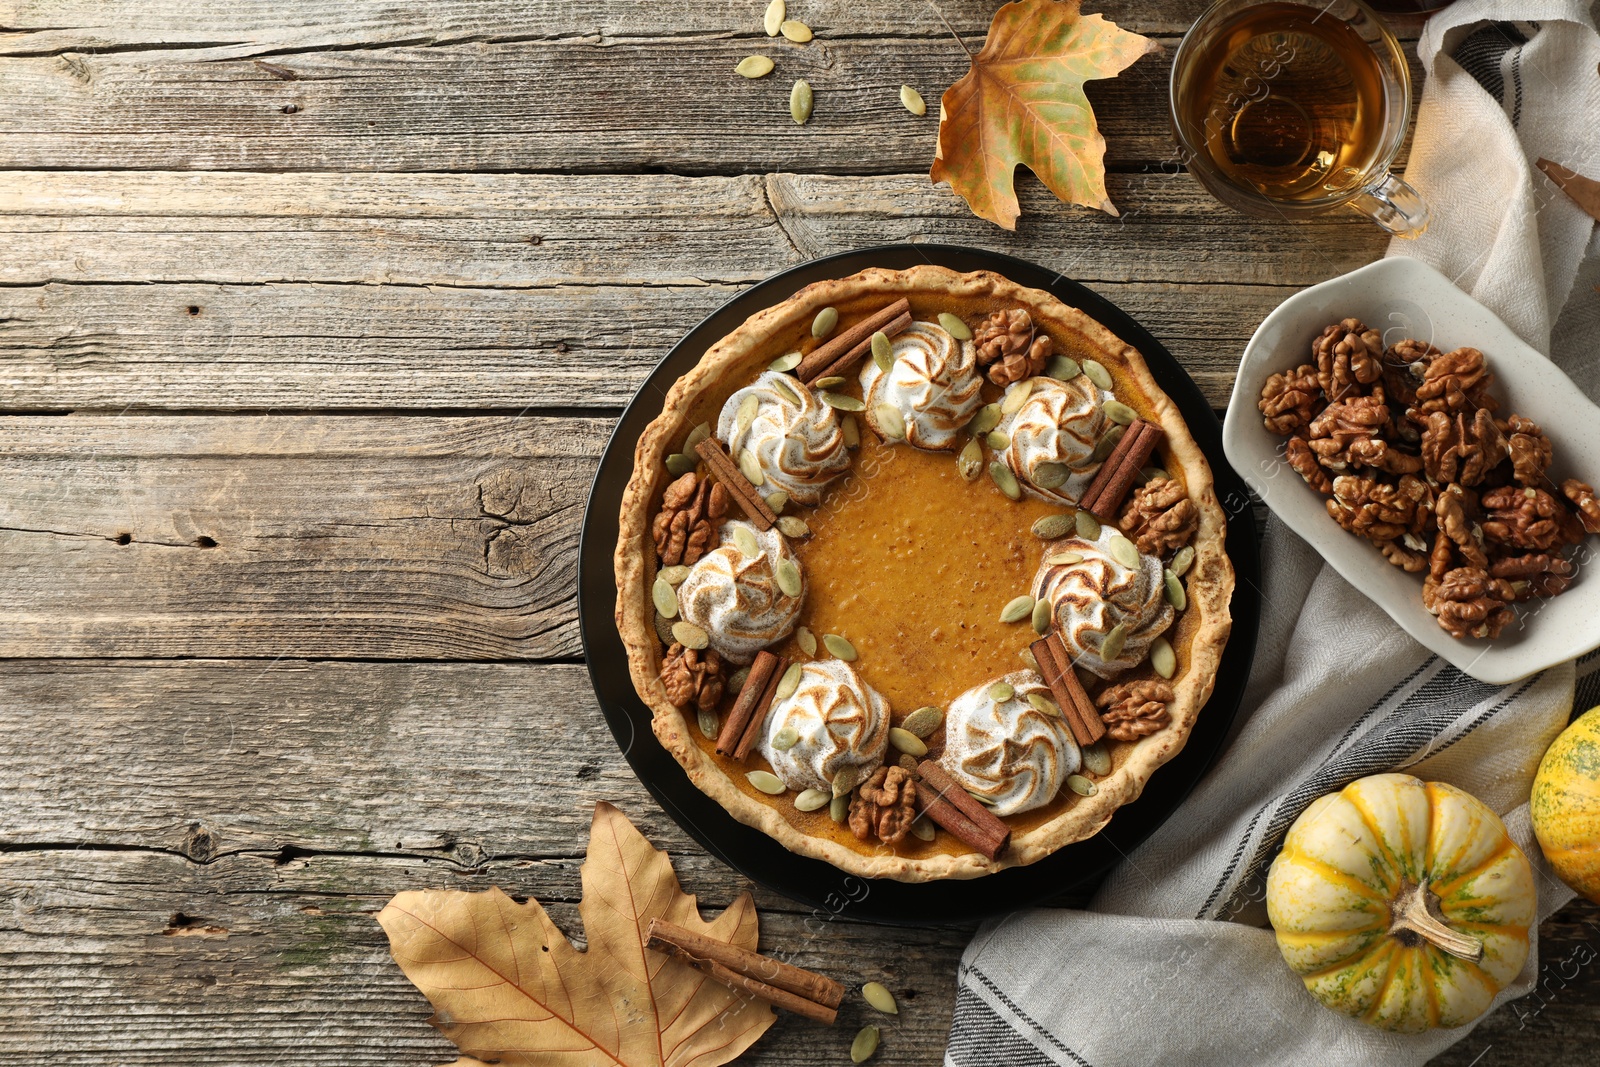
507 986
1023 102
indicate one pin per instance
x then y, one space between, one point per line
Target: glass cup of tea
1289 109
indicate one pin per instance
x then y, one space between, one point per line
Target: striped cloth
1174 962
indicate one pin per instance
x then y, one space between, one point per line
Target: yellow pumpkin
1402 903
1566 805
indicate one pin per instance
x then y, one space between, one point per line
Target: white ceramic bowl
1402 297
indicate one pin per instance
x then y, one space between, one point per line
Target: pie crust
736 360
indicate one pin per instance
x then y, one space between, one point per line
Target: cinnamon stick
758 718
778 998
1121 469
826 354
1076 707
741 968
738 486
762 671
842 365
953 808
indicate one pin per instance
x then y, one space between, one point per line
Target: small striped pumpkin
1566 805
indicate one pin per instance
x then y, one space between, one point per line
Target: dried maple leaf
506 984
1022 102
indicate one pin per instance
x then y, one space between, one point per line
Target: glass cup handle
1395 206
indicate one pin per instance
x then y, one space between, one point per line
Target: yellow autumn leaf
1023 102
506 984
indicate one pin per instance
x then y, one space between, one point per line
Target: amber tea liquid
1287 102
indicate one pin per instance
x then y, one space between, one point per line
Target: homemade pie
921 574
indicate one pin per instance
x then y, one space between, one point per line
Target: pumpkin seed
923 722
1119 412
1050 475
1041 617
782 385
1044 705
746 414
969 464
1097 373
745 539
1081 785
806 640
1108 442
1176 596
851 430
1183 560
1000 692
679 464
924 830
793 526
689 635
865 1044
674 576
1064 559
987 418
882 351
736 682
824 322
1016 396
664 629
1097 758
786 362
1052 527
776 12
666 597
1124 551
841 402
696 435
830 382
709 724
954 326
767 782
890 422
1088 526
1062 368
906 741
997 440
813 799
1018 609
912 101
839 647
1028 657
788 576
785 739
1154 474
1111 647
750 467
753 67
801 100
777 501
1005 480
788 683
846 779
839 809
987 802
794 30
879 997
1162 658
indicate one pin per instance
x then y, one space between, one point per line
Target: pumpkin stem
1415 916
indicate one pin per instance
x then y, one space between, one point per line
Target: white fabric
1173 961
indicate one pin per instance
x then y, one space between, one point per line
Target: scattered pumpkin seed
846 779
746 414
753 67
865 1044
1154 474
767 782
786 362
839 647
969 464
1064 559
782 385
664 629
1081 785
709 724
997 439
924 829
1107 442
1118 412
1049 475
851 430
1052 527
1016 396
986 801
674 576
788 683
1000 692
785 739
788 576
679 464
839 809
824 322
794 30
1176 596
777 501
890 422
879 997
954 326
841 401
882 351
1041 617
1005 480
745 539
1097 373
665 596
750 467
736 682
777 11
801 100
906 741
813 799
793 526
923 722
1111 647
987 418
1162 658
1062 368
1028 657
1124 551
1088 526
1183 560
912 101
830 382
806 640
1044 705
696 435
1097 758
689 635
1017 609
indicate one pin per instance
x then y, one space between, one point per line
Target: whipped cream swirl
795 437
1090 598
1060 423
840 722
934 384
735 598
1007 753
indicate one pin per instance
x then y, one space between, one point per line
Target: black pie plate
1069 874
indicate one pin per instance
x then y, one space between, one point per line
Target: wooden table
315 318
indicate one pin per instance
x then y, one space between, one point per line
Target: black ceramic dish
1071 872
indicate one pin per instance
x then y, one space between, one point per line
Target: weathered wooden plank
540 230
390 538
303 346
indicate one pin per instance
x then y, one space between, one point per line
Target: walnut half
884 806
